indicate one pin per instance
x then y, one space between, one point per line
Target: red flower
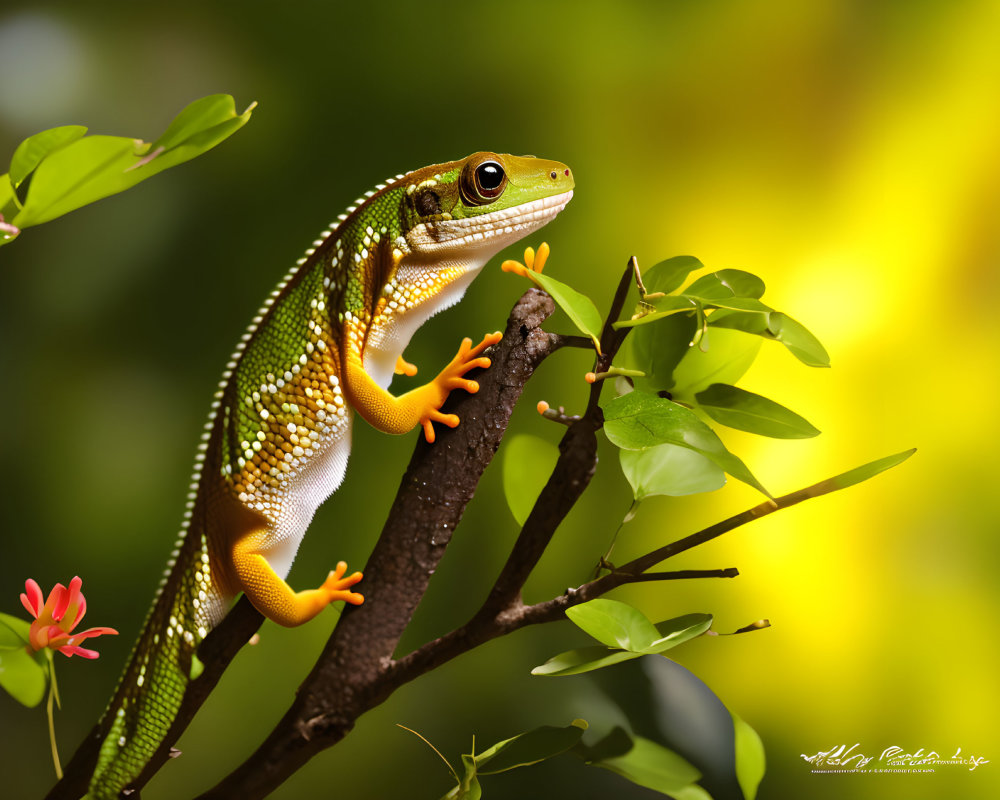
54 622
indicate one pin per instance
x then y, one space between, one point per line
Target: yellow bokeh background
846 152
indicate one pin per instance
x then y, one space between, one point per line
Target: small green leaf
740 304
9 205
468 788
637 421
656 350
679 630
859 474
669 634
198 116
747 321
616 743
578 307
94 167
584 659
32 150
723 357
664 308
614 624
670 274
670 470
778 327
799 341
750 762
725 284
14 631
654 766
24 675
746 411
529 748
527 464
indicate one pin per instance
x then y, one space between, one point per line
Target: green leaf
614 624
14 631
657 349
669 470
616 743
584 659
750 762
664 308
722 357
529 748
24 675
196 117
32 150
468 788
527 464
753 322
740 304
746 411
654 766
670 274
725 284
93 167
9 206
800 342
678 630
638 421
668 634
858 474
578 307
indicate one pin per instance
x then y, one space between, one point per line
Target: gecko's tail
163 663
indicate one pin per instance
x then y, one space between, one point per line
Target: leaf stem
424 739
53 695
605 562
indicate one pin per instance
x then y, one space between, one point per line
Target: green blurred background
847 152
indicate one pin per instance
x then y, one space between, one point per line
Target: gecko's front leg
421 406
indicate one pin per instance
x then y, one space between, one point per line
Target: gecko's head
482 203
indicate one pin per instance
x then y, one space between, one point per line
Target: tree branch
351 675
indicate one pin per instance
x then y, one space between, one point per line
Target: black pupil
489 176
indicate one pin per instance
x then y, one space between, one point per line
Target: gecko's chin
490 232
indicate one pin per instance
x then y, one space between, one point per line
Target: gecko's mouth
493 230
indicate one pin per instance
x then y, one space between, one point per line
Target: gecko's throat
490 232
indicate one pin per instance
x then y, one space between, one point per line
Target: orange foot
337 586
532 262
404 367
452 377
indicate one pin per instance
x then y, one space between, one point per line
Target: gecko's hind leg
274 598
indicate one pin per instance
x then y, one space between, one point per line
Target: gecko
323 348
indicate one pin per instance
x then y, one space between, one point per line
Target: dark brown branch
684 574
350 676
571 476
582 342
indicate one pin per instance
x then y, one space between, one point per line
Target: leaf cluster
61 169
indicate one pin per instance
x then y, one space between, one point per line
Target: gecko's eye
483 183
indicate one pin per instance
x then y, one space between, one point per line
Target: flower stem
53 694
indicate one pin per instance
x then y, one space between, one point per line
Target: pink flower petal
68 598
80 612
90 632
52 603
31 597
71 650
55 634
